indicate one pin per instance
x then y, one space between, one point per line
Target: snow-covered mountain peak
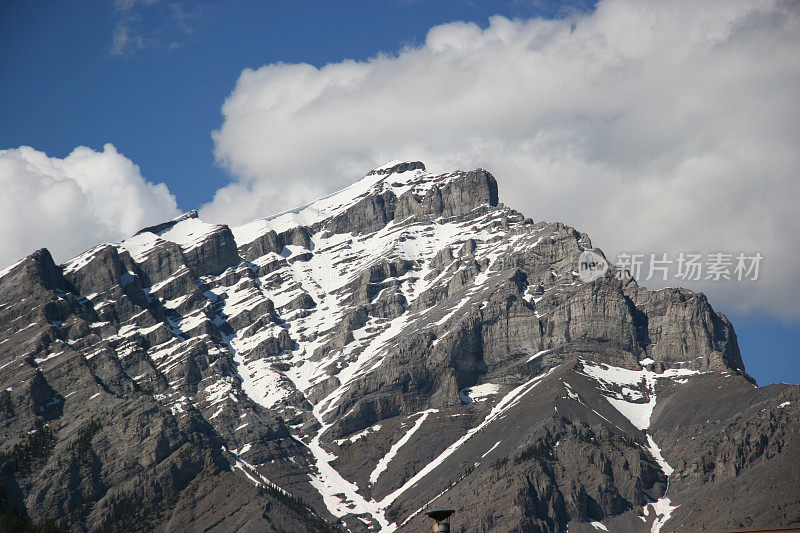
396 166
395 178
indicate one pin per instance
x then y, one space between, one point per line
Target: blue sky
157 95
158 104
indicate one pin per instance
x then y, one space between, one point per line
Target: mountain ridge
312 353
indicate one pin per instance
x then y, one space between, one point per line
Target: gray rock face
404 343
397 168
680 323
460 194
272 242
214 255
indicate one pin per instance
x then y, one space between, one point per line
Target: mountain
405 343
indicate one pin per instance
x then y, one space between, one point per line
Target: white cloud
125 5
69 205
124 41
651 125
151 24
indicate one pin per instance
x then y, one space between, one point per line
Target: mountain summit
405 343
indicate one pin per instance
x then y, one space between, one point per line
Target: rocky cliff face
405 343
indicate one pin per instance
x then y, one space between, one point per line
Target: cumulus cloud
653 126
69 205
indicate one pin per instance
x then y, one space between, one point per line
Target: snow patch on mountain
508 401
478 393
189 233
11 267
383 463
